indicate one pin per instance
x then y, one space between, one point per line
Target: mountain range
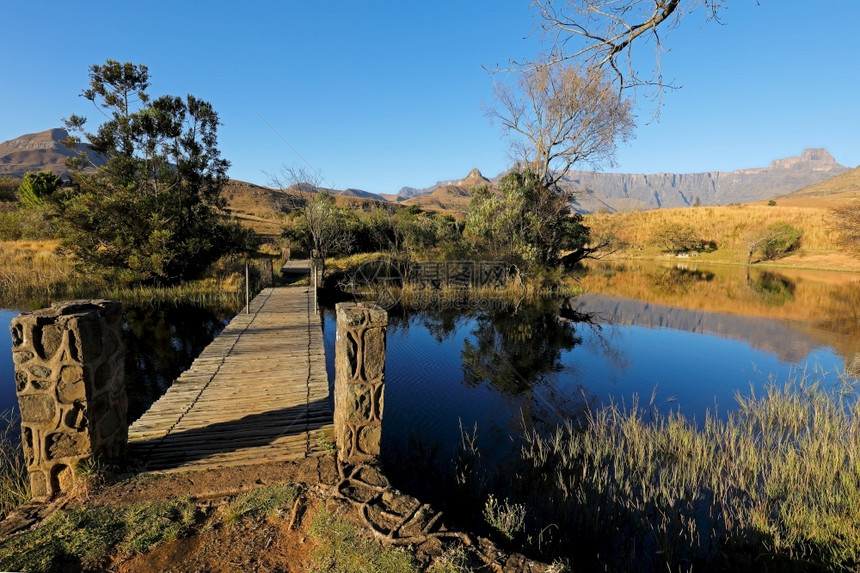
41 151
594 191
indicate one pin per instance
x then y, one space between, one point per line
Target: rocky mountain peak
817 154
815 159
48 139
473 178
39 151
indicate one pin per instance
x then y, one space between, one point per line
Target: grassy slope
732 227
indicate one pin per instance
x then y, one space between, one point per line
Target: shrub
679 238
775 241
8 189
36 187
848 225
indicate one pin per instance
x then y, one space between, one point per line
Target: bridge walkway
258 393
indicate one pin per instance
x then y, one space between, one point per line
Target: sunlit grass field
731 228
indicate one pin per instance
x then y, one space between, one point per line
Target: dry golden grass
36 273
731 228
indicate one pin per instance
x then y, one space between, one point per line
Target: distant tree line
522 221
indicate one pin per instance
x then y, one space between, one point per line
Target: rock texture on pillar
359 380
70 381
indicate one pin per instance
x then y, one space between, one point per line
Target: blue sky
380 95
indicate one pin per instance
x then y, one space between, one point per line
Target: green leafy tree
524 221
36 187
319 225
775 241
154 211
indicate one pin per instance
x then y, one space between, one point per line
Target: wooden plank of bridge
258 393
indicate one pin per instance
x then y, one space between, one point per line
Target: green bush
776 241
36 187
32 223
9 189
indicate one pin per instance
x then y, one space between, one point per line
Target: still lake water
693 335
160 342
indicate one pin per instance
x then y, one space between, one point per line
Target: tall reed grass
14 479
35 274
774 485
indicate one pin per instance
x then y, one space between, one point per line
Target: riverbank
36 273
309 515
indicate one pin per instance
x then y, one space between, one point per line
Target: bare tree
561 116
320 219
601 33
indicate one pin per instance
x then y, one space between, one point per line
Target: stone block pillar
359 380
70 381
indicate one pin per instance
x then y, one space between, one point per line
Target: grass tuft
265 501
14 479
507 518
84 538
776 484
342 549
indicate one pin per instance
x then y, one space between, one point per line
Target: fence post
359 380
70 382
247 289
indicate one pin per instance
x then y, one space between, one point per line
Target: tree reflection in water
160 343
773 289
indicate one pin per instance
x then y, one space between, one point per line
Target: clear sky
379 95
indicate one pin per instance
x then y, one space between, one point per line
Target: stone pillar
359 380
70 381
267 277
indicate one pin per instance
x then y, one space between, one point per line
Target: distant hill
627 192
264 209
452 198
39 152
610 192
791 179
359 193
830 193
473 178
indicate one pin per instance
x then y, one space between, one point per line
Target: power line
316 171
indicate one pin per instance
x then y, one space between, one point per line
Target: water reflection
463 384
160 341
773 289
813 308
514 351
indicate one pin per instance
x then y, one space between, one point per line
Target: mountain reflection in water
690 335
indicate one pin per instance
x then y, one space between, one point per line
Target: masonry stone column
359 380
70 381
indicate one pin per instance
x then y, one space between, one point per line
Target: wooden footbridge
258 393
